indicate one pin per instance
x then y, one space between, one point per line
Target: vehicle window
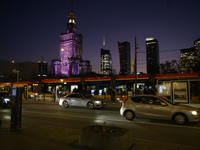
169 101
87 95
73 96
150 100
155 101
77 96
135 99
140 99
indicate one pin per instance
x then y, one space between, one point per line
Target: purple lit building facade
71 62
55 68
70 48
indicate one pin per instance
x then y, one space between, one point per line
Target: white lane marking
99 118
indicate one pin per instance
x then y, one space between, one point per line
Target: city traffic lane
81 110
52 107
78 118
185 135
76 111
159 131
41 104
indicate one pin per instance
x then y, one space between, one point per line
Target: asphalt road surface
78 118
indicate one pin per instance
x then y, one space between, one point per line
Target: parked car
81 99
157 107
5 99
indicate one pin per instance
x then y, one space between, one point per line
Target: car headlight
98 102
194 112
6 100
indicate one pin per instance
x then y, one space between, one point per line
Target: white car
157 107
5 99
82 99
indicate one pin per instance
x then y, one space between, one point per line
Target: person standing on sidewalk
113 92
67 92
54 95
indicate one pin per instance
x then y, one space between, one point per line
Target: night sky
30 29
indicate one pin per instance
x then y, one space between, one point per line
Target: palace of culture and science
70 62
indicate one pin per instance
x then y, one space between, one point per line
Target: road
78 118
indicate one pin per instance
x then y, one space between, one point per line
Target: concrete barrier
103 141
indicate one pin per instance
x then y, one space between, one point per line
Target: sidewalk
46 137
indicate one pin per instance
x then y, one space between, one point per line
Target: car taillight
124 102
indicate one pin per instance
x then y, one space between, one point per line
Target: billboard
180 92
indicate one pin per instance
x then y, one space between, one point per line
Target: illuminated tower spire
71 25
104 42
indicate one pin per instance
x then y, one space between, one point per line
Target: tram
30 88
96 86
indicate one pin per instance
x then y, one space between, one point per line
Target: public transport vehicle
6 86
31 89
99 87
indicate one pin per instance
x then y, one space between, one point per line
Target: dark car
5 99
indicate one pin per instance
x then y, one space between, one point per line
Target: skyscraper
42 68
197 48
190 58
70 48
188 61
152 54
124 58
106 62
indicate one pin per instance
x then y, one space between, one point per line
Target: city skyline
31 30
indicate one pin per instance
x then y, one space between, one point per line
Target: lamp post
16 71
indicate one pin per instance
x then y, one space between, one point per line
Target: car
81 99
157 107
5 99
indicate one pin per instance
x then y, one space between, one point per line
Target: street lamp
16 71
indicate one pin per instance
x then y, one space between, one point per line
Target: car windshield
169 101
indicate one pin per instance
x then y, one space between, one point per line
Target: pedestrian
54 95
138 91
83 91
96 92
89 91
113 92
74 90
67 92
145 91
151 91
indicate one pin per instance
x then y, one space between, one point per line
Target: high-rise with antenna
104 42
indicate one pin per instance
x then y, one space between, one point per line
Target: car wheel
129 115
180 119
65 104
90 105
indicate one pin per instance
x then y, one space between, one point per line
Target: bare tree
169 67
